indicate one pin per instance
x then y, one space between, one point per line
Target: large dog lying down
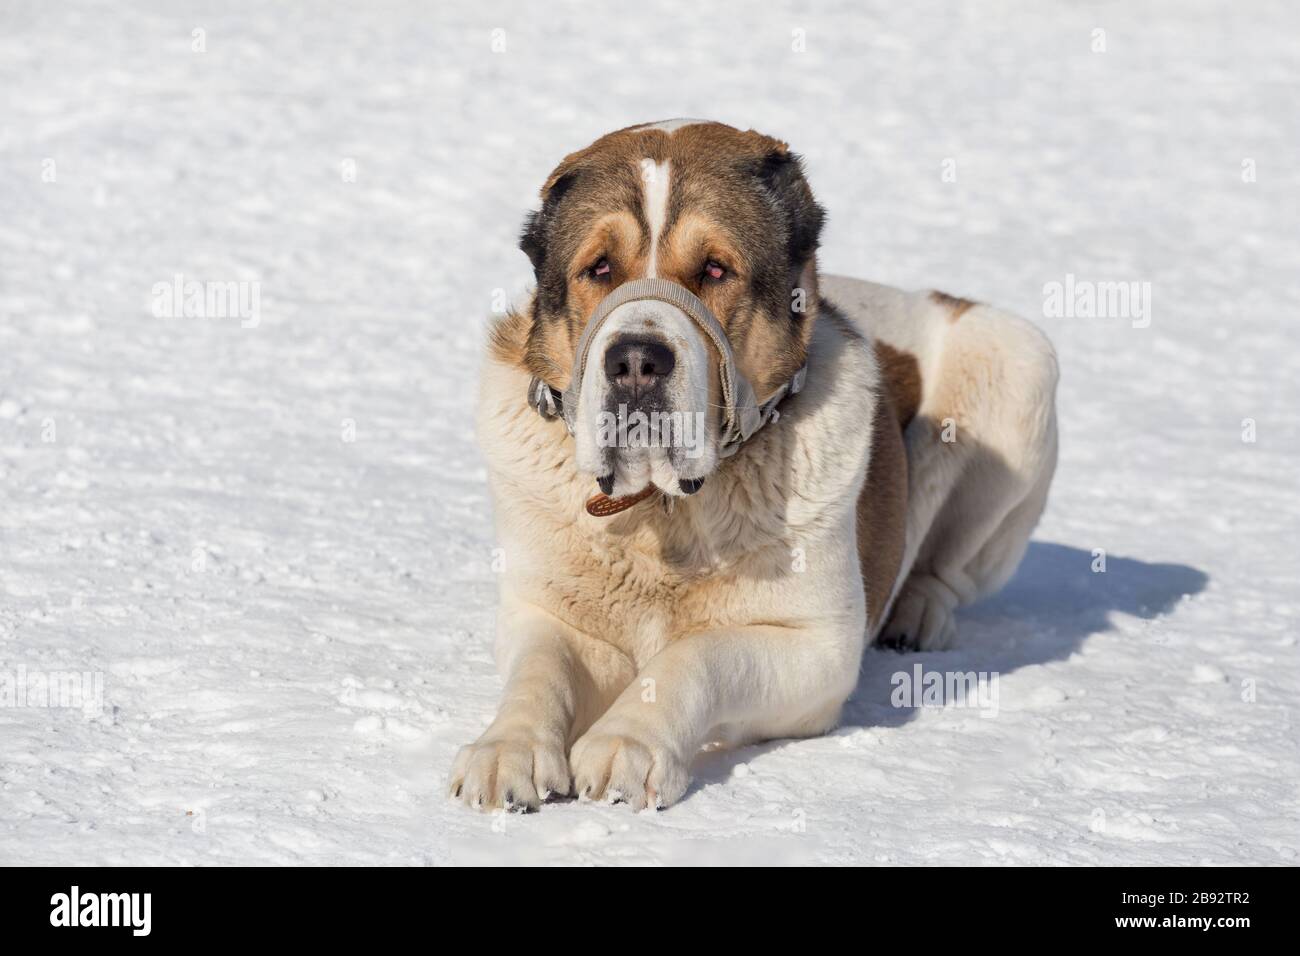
717 475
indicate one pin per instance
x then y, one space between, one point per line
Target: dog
717 475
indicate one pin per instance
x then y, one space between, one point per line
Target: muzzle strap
768 413
743 415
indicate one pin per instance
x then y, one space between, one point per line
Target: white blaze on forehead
654 193
671 126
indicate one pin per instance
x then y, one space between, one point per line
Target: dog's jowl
718 474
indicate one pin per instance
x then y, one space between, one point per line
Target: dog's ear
781 173
537 225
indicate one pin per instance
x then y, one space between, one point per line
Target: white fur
629 642
655 189
671 126
989 381
686 393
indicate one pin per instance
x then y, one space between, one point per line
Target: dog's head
726 214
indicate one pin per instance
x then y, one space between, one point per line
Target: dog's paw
623 765
922 618
516 773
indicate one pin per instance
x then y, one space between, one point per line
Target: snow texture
271 542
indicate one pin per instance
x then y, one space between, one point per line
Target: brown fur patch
508 338
956 305
902 379
882 512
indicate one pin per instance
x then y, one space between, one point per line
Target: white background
299 698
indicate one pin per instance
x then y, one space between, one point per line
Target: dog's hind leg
981 454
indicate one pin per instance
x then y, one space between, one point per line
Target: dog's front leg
762 681
557 683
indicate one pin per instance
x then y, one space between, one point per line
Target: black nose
638 364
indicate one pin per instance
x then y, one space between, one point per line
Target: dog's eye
600 270
714 271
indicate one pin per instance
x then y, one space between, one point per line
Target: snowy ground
293 629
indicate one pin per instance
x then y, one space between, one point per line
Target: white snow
293 629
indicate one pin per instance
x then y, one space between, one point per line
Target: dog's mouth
603 506
637 471
646 421
685 486
651 441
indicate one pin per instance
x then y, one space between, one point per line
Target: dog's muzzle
743 414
